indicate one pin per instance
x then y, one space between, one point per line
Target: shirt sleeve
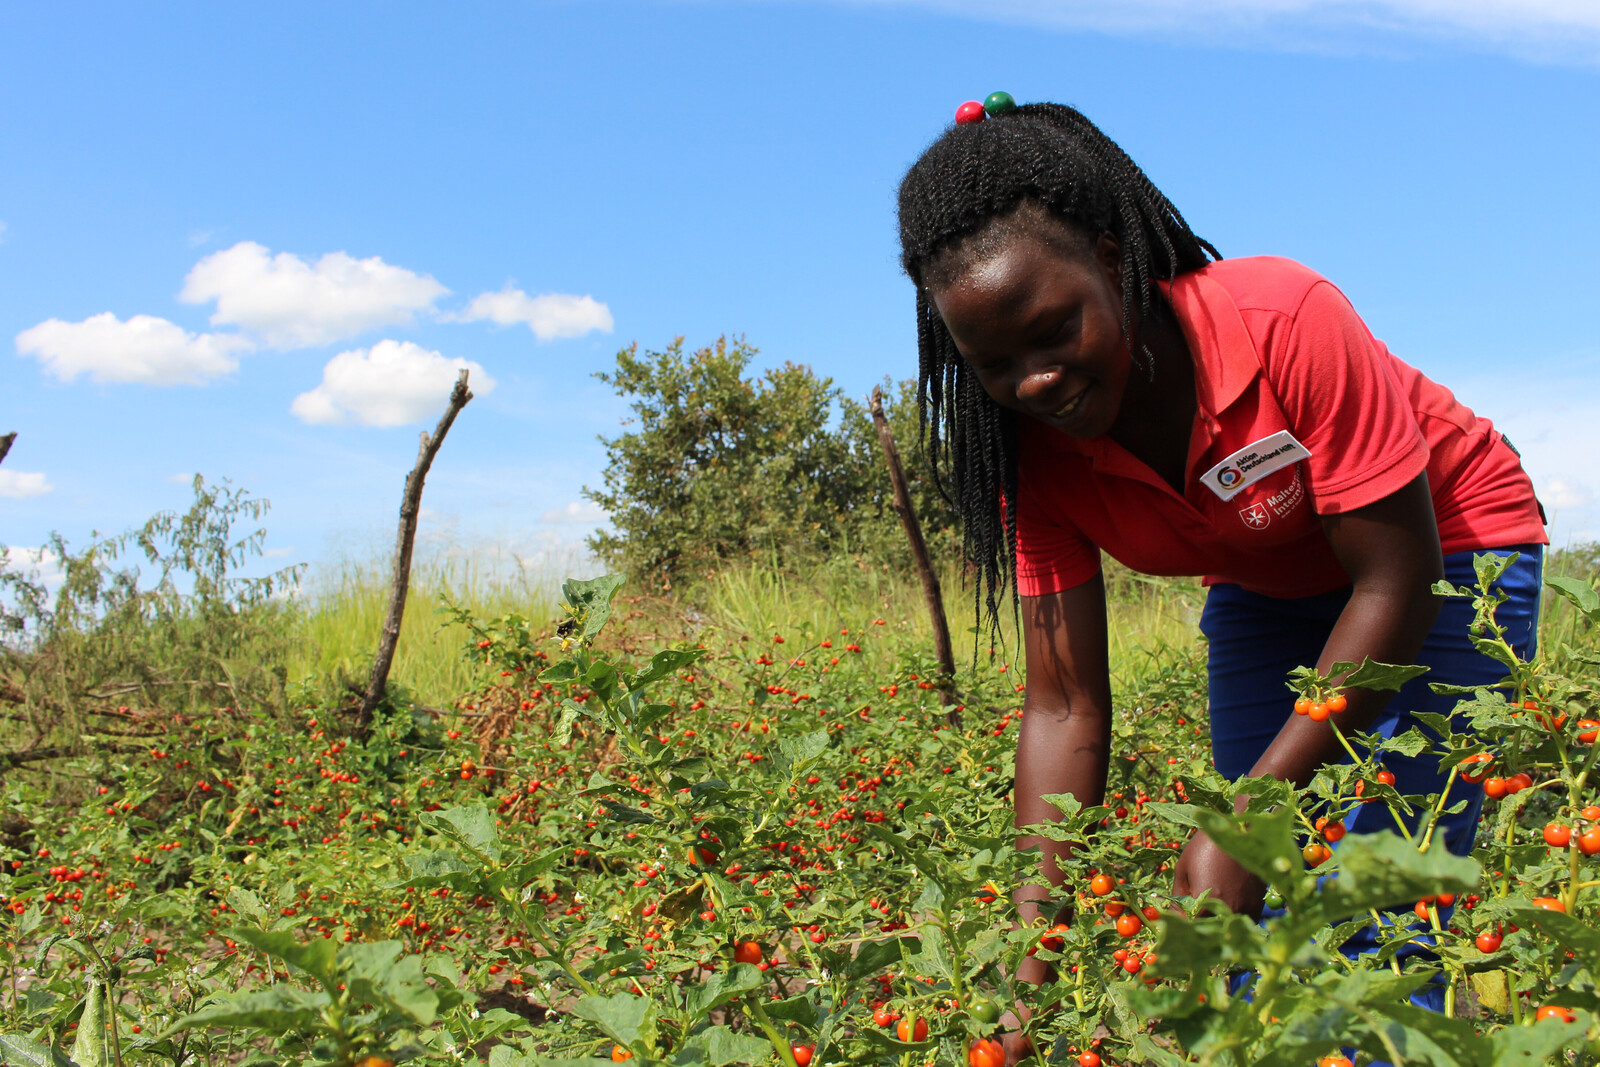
1338 388
1053 555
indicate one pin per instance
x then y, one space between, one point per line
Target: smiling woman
1095 377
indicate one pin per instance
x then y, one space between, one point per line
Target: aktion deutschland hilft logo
1228 477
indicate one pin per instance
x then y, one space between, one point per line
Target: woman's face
1041 327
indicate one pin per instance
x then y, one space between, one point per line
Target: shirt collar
1225 360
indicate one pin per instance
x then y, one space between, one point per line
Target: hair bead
997 104
968 113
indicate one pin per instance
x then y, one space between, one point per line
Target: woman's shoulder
1261 283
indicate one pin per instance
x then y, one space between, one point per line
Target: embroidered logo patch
1256 516
1254 462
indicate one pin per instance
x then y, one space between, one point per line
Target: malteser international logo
1229 477
1256 516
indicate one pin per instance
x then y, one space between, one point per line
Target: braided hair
960 201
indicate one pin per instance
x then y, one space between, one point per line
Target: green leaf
433 867
1262 842
625 1017
873 956
1578 937
247 904
470 825
722 987
798 751
590 601
1409 743
1426 1037
17 1050
1385 676
1381 869
1534 1046
378 974
795 1010
280 1008
90 1049
723 1046
571 712
314 957
662 664
1580 592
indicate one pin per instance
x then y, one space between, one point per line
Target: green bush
718 465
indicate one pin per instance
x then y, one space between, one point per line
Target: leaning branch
5 444
919 552
410 509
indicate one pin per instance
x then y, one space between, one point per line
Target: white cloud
181 479
1562 493
143 349
579 511
292 303
19 485
549 315
391 384
1542 30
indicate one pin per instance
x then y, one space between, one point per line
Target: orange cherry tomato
1129 925
1589 841
1337 703
1302 705
748 952
1588 730
1318 712
1557 835
1556 1012
1494 788
1549 903
619 1054
1475 769
1101 885
1591 813
986 1052
912 1029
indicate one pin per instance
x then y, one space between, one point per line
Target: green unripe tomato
1273 899
983 1010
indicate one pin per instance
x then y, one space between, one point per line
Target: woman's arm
1065 742
1390 549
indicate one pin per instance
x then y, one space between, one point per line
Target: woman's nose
1037 382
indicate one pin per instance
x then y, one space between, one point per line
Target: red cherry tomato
1475 769
748 952
1549 903
1588 730
1089 1059
1489 941
883 1017
1557 835
1385 776
1129 925
1589 841
1556 1012
1493 788
802 1053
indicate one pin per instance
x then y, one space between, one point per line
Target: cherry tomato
1337 703
1331 831
1556 1012
1315 854
1385 776
1588 730
1489 941
986 1053
1302 705
1591 813
885 1018
1318 712
1129 925
1421 910
1549 903
1335 1060
1089 1059
1493 788
1054 939
1475 769
619 1054
748 952
912 1029
983 1010
802 1053
1589 841
1101 885
1115 908
1556 835
1519 781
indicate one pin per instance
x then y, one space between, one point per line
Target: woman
1087 358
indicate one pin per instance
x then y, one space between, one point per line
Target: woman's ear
1108 254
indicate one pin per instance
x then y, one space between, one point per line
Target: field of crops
773 841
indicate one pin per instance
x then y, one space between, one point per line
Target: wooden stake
410 508
919 552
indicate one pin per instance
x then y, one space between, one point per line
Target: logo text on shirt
1253 462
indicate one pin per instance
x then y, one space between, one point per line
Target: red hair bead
970 112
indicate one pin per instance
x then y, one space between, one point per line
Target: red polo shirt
1302 412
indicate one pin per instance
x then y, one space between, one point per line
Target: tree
718 465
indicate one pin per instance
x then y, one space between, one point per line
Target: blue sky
320 210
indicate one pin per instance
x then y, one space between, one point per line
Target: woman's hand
1205 867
